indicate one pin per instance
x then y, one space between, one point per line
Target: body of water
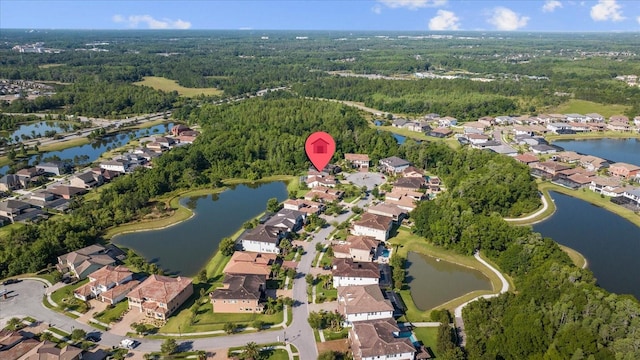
37 129
433 282
610 243
94 149
186 247
616 150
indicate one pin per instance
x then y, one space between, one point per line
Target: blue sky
411 15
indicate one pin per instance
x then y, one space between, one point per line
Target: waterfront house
543 149
178 129
377 339
393 164
547 169
360 161
619 119
633 195
320 180
286 219
606 186
263 239
54 167
619 126
346 272
558 127
593 163
306 206
526 159
624 170
159 296
440 132
250 263
239 294
363 303
376 226
103 280
28 176
357 248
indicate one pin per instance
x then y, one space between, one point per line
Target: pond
434 282
617 150
610 243
94 149
38 129
186 247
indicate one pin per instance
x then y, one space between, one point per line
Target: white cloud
444 20
413 4
506 19
607 10
152 23
551 5
376 9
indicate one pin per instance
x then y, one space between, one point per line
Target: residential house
405 200
597 127
399 123
107 175
356 248
543 149
413 172
576 118
619 126
360 161
558 127
54 168
410 184
323 194
523 130
418 126
606 186
431 116
252 263
440 132
67 192
102 280
388 210
14 211
504 120
165 142
633 195
263 239
593 163
346 272
595 117
288 220
86 180
636 121
306 206
28 176
239 294
376 340
376 226
447 121
178 129
48 350
526 159
320 180
393 164
619 119
15 344
569 157
476 139
434 184
487 120
624 170
475 127
363 303
501 149
580 127
547 169
85 261
10 182
159 296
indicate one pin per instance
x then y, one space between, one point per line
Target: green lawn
113 314
428 336
585 107
65 299
164 84
333 335
278 354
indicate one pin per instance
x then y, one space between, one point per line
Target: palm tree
251 351
13 323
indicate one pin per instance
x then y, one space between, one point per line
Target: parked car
128 343
93 337
11 281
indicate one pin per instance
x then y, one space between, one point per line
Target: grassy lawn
452 142
6 230
325 295
164 84
278 354
46 66
585 107
65 299
64 144
111 315
578 259
333 335
410 242
428 336
593 198
59 332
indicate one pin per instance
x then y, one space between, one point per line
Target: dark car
326 267
93 337
11 281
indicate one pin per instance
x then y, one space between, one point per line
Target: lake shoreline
614 135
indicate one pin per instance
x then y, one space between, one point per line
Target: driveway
368 179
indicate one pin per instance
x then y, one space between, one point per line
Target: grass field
586 107
452 142
410 242
578 259
428 336
164 84
46 66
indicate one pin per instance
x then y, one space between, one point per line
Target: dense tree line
557 311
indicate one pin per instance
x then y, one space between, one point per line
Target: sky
401 15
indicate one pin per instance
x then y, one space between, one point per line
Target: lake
38 129
433 282
94 149
617 150
186 247
610 243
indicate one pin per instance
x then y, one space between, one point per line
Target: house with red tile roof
243 262
360 161
624 170
346 272
362 303
376 339
159 296
104 279
376 226
357 248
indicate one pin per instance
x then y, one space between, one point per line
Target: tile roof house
16 211
357 248
548 168
413 171
159 296
362 303
346 273
250 263
393 164
179 129
410 183
376 226
86 180
306 206
14 344
388 210
50 351
361 161
239 294
85 261
376 339
10 182
319 180
103 280
526 158
405 200
606 186
323 194
29 175
55 167
440 132
624 170
67 192
263 238
288 220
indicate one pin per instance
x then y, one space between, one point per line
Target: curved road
458 310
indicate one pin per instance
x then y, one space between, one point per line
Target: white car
128 343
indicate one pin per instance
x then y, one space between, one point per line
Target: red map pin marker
320 147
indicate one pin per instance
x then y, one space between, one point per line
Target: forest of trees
557 311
